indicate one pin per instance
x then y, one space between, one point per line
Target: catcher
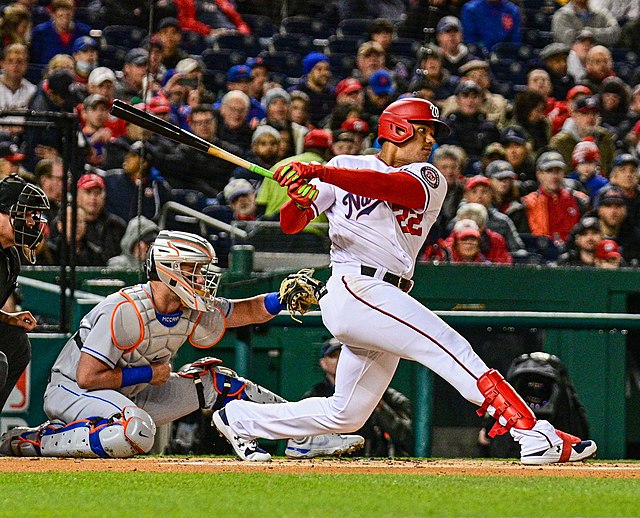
112 383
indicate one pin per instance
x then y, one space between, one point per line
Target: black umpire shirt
9 270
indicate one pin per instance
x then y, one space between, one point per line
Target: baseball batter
380 209
112 383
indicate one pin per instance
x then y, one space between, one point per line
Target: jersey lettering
359 205
410 221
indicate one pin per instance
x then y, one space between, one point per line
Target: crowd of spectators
542 97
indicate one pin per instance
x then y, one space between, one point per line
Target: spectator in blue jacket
58 34
487 22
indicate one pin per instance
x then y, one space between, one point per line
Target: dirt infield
323 466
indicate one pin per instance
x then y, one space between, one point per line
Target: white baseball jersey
374 232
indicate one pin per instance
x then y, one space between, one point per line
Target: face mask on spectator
84 68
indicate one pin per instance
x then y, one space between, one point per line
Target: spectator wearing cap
629 128
344 143
450 161
487 22
56 95
581 244
259 77
576 15
15 90
383 31
94 130
554 60
340 113
129 86
271 195
316 70
57 35
529 112
519 153
608 255
123 183
478 189
169 34
492 244
233 127
562 108
85 54
360 130
300 108
465 246
223 20
598 67
614 102
471 129
552 210
11 161
379 93
86 253
240 196
449 38
430 65
370 58
576 61
494 151
265 145
239 78
277 103
493 105
138 237
103 229
506 194
585 159
624 176
584 123
189 73
350 91
205 173
613 213
388 432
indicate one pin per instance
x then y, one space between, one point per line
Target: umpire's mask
24 202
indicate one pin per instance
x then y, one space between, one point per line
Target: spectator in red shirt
551 210
465 246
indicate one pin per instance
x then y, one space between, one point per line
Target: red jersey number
410 222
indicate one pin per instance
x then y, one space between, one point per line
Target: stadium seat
536 19
261 26
190 198
344 44
316 28
219 239
250 45
622 55
215 81
293 42
405 47
354 27
34 73
124 35
112 56
342 65
222 59
193 42
537 39
508 71
511 51
283 62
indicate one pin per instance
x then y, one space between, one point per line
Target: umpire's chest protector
136 329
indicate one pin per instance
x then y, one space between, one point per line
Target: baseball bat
157 125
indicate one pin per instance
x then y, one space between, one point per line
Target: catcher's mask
24 203
185 263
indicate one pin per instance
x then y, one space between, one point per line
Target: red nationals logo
507 22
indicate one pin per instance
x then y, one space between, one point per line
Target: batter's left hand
287 174
23 319
302 194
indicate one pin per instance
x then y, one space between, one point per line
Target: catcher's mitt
299 291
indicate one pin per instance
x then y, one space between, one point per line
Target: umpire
21 224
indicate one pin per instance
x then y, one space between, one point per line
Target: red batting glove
302 194
292 172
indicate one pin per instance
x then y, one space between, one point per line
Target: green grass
248 495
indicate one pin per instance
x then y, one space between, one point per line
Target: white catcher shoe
245 449
328 444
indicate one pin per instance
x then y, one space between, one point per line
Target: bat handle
260 170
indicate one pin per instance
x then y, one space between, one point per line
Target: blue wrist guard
272 303
136 375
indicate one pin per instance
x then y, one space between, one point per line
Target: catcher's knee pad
506 402
122 435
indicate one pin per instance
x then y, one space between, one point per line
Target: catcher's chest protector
136 329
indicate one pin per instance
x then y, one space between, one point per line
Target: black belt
399 282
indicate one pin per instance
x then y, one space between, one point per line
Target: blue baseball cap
239 73
381 83
84 43
311 60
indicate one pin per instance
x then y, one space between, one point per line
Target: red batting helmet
395 122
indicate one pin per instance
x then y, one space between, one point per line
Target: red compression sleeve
400 188
292 219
